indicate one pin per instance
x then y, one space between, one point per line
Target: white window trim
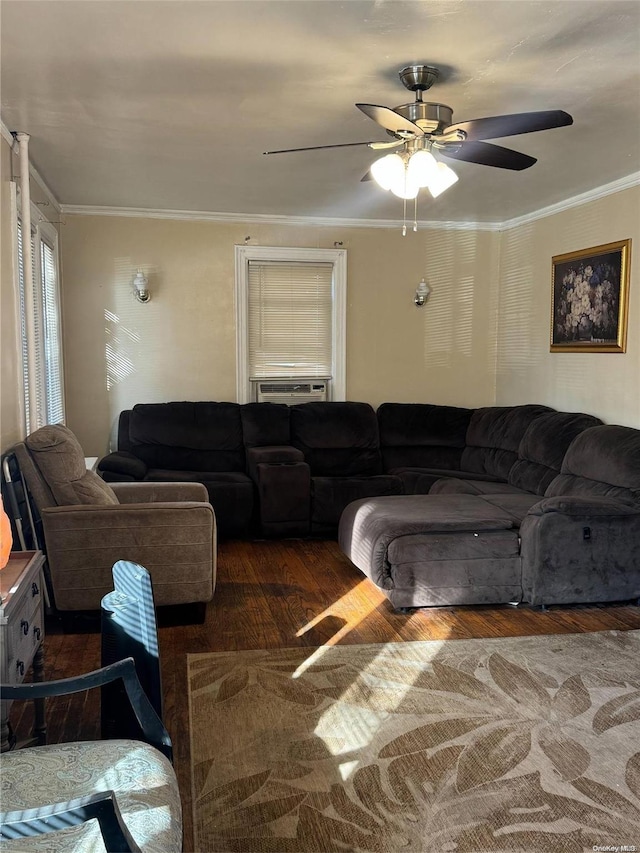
338 258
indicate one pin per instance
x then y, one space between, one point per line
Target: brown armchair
88 525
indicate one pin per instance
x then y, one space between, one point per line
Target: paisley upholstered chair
122 788
113 795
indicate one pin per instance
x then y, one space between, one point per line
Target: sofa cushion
265 424
515 505
543 447
198 436
494 436
60 460
603 460
540 456
337 439
420 481
460 486
422 435
231 494
330 495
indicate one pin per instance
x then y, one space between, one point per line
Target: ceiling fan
420 128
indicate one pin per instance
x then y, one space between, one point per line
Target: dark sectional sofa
450 495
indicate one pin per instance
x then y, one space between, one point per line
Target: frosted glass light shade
405 188
442 178
422 168
388 171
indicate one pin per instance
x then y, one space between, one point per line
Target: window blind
52 344
23 327
46 388
290 319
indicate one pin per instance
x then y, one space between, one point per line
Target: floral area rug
524 743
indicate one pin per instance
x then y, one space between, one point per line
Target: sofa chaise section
423 550
578 543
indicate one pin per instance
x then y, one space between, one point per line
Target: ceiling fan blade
380 146
487 154
391 120
320 147
367 176
512 125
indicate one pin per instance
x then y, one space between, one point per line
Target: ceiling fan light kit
406 174
420 128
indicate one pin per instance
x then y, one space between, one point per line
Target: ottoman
425 550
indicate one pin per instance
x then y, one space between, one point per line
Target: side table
21 633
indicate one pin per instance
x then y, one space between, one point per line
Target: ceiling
169 105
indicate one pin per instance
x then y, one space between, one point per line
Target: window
42 369
291 316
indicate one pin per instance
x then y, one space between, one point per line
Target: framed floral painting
590 299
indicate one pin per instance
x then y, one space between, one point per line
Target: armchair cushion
60 459
47 792
141 777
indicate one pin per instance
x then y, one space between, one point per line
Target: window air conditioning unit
290 392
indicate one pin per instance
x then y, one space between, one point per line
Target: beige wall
181 345
603 384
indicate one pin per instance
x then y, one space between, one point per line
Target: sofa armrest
151 492
582 506
283 486
276 454
88 519
175 541
580 549
123 463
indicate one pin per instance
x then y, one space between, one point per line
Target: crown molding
266 219
626 183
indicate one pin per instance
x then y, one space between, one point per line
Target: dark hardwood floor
279 594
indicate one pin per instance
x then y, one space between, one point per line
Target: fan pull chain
404 217
415 213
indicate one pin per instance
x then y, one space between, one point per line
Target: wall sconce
422 293
140 287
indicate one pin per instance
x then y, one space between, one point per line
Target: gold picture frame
590 298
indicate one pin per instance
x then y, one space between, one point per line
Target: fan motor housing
432 118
